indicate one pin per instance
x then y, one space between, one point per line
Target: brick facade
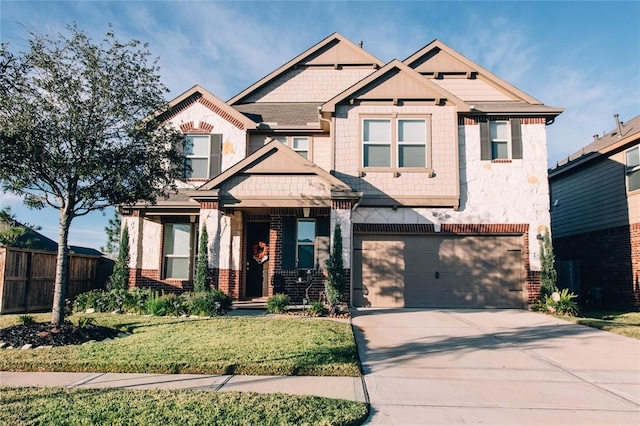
607 259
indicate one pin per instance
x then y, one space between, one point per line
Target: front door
257 256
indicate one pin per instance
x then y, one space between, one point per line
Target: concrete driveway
495 367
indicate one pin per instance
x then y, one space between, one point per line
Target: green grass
220 345
59 406
623 323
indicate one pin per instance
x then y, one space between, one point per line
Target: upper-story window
299 144
633 168
394 143
501 140
202 156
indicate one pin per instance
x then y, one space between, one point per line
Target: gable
198 96
396 83
275 176
437 60
439 63
327 68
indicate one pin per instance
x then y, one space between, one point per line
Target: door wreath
260 252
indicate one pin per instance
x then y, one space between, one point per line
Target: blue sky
583 56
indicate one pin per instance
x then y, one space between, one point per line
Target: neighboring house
595 217
435 168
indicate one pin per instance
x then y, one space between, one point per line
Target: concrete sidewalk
349 388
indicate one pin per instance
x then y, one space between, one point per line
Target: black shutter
485 141
289 257
323 226
516 139
323 241
214 161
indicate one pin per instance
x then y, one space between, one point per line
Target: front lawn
618 322
220 345
30 406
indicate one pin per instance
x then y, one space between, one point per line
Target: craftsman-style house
435 168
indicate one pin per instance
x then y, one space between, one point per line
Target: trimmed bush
209 303
317 309
278 304
147 301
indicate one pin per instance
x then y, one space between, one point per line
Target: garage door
470 271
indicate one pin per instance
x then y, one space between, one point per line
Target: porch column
134 223
223 247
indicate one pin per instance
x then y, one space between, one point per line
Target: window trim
394 119
312 244
189 256
493 140
289 141
514 141
211 156
629 170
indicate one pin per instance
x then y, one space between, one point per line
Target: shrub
158 304
278 303
317 309
209 303
548 274
84 322
562 303
202 263
89 300
26 319
119 279
336 281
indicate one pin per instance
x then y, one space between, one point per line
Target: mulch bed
46 334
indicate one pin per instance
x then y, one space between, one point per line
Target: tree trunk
62 269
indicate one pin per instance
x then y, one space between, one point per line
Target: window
202 156
305 242
306 236
633 168
376 140
501 140
412 143
301 146
298 143
391 143
177 250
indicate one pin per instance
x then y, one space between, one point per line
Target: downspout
332 136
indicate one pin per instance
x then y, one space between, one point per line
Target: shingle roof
282 114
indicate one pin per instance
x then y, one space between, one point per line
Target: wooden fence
27 278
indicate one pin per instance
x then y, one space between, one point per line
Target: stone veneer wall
608 259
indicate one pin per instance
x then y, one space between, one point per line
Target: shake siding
590 199
444 141
322 152
309 85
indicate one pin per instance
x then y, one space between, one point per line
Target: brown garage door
471 271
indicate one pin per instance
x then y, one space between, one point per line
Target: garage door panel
439 271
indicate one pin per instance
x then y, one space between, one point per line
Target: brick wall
608 259
150 278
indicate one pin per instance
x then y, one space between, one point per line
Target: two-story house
595 217
434 167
